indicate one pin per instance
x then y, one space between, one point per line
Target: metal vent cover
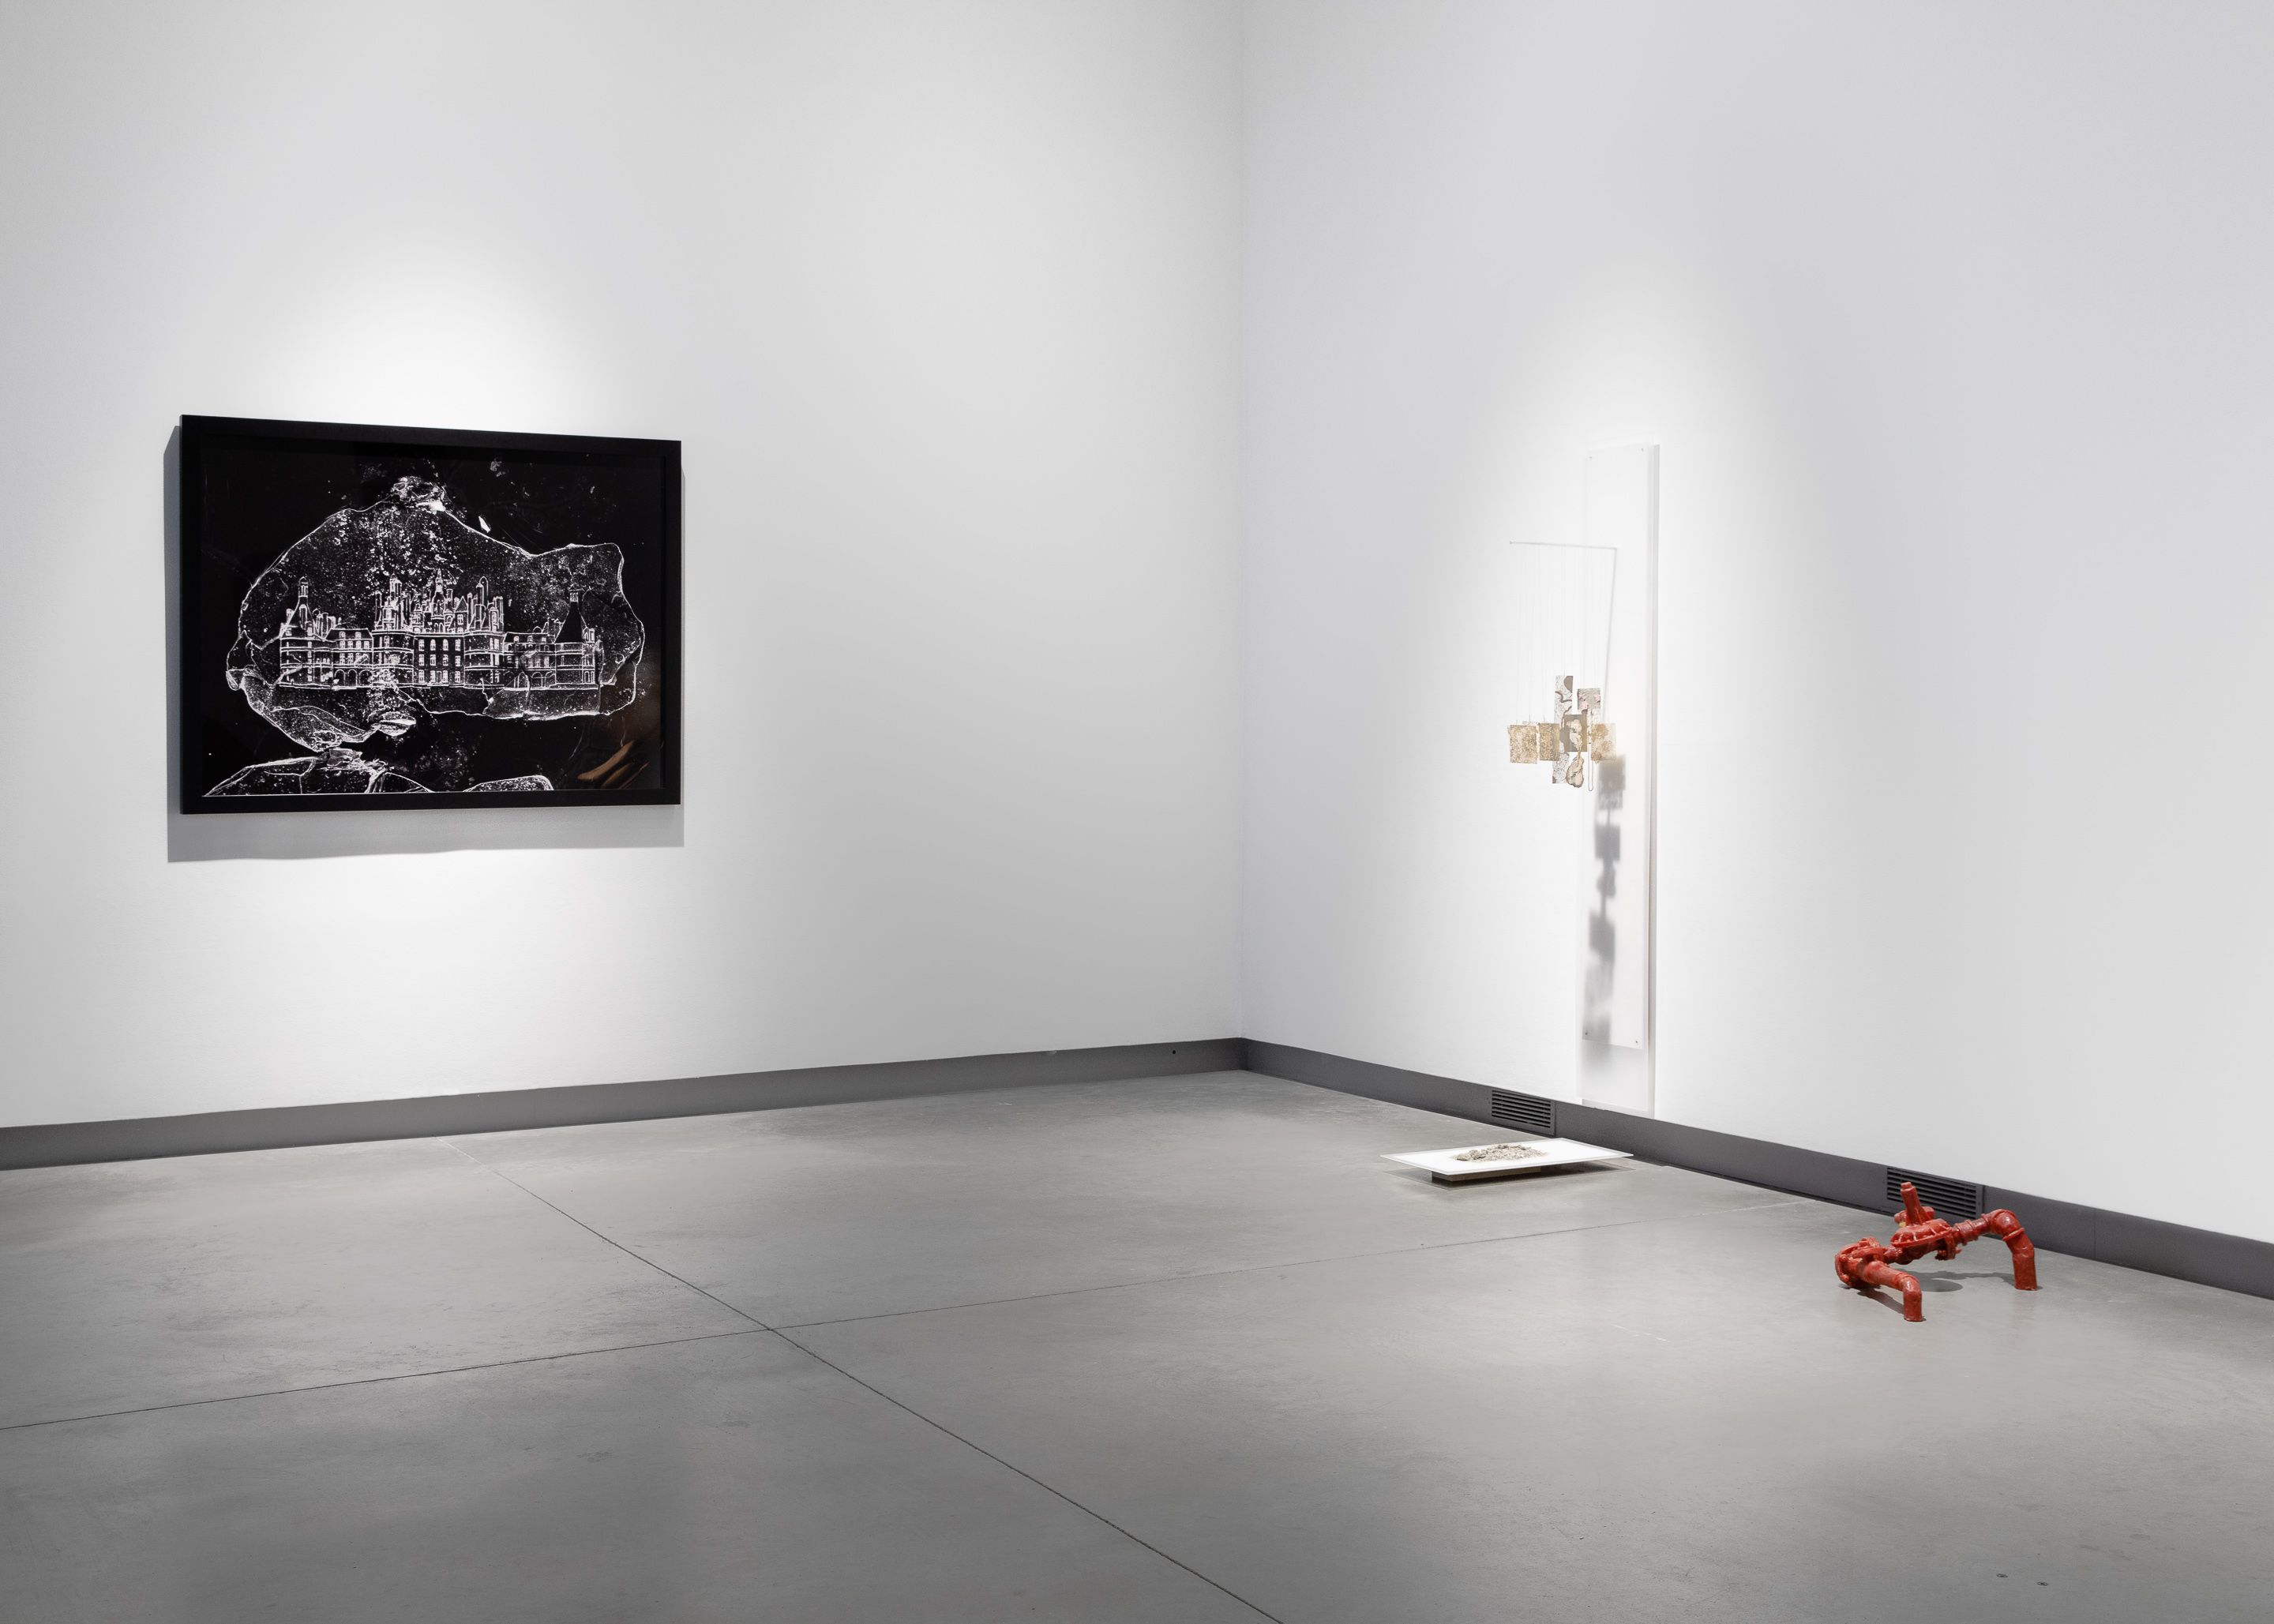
1521 1110
1951 1198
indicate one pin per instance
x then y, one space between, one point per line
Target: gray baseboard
2204 1256
431 1117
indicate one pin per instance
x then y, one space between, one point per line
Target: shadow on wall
287 834
1602 972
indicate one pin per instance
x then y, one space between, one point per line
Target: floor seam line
1046 1488
1251 1269
612 1241
372 1381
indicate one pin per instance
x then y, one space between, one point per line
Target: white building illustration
434 638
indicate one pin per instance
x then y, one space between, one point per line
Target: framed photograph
420 618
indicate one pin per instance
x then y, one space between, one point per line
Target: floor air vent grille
1521 1110
1951 1200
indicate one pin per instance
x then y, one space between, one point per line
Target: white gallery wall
1954 324
942 300
988 327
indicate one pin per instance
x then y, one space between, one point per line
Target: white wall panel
1952 323
942 300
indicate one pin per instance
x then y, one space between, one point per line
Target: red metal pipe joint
1869 1263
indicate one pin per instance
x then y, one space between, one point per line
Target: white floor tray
1447 1167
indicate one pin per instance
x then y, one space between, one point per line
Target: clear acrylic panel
1586 662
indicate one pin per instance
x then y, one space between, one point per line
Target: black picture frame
252 489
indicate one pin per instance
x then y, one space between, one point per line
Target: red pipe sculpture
1869 1263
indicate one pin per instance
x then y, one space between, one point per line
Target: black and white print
370 620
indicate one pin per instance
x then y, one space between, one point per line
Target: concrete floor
1172 1351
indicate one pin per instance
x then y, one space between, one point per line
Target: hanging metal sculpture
1869 1263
